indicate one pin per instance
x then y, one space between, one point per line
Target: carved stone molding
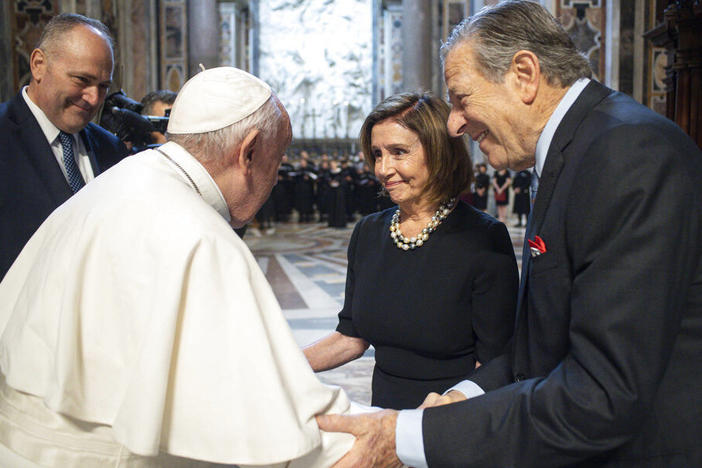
679 35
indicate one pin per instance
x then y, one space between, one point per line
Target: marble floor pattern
306 266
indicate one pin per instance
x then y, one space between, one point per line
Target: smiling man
50 150
603 368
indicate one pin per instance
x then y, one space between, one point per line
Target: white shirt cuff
409 440
409 443
468 388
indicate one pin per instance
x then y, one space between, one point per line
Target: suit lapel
593 93
38 152
86 136
547 182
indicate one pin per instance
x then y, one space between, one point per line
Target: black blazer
32 184
605 367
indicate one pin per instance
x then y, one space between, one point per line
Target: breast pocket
543 263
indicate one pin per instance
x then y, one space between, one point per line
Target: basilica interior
330 62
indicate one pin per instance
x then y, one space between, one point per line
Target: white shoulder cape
135 305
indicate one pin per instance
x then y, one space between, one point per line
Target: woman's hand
434 399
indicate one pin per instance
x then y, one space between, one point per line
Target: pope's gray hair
209 146
497 33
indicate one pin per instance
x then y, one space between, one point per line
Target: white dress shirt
51 132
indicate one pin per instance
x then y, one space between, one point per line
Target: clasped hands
375 433
434 399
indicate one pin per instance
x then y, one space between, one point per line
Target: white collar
554 121
194 173
50 130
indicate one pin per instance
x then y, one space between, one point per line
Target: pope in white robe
139 331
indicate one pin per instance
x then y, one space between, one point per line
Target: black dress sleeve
495 296
345 326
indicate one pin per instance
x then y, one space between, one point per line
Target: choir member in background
501 182
520 186
304 191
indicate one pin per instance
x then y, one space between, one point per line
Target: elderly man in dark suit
604 366
49 147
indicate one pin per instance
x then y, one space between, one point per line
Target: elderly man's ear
247 150
526 73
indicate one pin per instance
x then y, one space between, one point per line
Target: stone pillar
377 18
203 35
254 37
417 52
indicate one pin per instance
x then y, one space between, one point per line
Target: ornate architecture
677 33
331 62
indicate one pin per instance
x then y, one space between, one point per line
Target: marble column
255 37
377 18
417 46
203 35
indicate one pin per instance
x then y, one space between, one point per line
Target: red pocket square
536 246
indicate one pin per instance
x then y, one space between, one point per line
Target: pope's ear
247 149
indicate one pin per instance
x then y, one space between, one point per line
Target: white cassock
138 329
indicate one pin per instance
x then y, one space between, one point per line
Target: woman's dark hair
447 159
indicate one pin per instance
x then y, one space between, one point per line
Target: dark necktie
75 179
533 187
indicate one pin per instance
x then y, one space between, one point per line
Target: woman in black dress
367 189
520 185
500 183
304 191
323 179
337 197
482 182
432 285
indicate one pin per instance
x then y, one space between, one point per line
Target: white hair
209 146
498 32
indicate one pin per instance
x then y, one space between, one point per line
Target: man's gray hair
61 24
208 146
497 33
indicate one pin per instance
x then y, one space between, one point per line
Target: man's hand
375 438
434 399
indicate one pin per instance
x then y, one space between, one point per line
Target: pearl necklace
412 243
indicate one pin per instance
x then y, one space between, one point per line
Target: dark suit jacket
606 362
31 182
